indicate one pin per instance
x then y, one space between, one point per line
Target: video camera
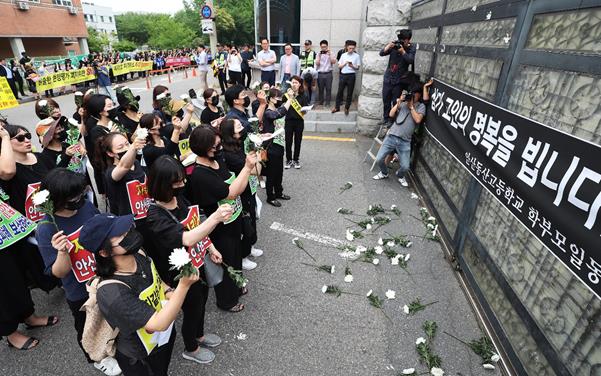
402 35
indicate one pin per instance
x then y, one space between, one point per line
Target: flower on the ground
40 197
407 257
344 211
435 371
141 133
406 309
488 366
348 278
414 196
368 226
430 226
420 340
324 289
349 236
348 185
378 249
390 294
495 358
376 261
431 218
392 207
395 260
408 371
333 269
390 244
409 244
369 292
380 241
360 249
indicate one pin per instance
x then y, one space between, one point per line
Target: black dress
207 116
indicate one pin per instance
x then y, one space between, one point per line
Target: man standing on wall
307 57
267 59
289 65
247 57
397 76
349 64
220 60
203 68
324 62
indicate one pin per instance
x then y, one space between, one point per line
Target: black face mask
76 205
243 134
246 102
215 101
178 191
217 154
113 113
278 103
62 135
121 155
132 242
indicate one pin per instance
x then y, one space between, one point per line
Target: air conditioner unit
23 5
72 10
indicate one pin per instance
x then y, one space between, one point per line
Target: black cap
99 228
308 41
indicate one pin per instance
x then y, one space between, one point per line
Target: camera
398 44
408 95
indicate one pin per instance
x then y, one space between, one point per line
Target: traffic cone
193 72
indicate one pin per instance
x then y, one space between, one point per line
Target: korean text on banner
131 66
13 225
7 98
549 180
64 78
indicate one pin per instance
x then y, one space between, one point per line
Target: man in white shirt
349 64
324 63
267 59
289 65
203 68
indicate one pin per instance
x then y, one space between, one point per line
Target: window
279 21
110 19
65 3
101 18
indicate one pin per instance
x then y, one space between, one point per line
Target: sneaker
297 165
201 355
380 176
403 182
247 264
108 366
210 340
256 252
288 165
262 183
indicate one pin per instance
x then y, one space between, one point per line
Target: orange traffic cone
193 72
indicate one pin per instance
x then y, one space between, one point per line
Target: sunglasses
22 137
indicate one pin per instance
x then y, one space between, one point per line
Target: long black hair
164 172
93 107
228 138
63 185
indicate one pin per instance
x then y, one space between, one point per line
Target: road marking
320 138
306 235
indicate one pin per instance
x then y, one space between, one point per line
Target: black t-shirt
152 152
303 100
235 161
130 125
53 158
96 131
116 191
26 175
122 307
207 116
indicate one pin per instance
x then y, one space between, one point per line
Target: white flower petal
495 358
392 207
162 96
408 244
406 309
348 278
435 371
42 103
378 249
332 269
376 261
369 292
408 371
360 249
40 197
390 244
179 257
141 133
488 366
338 210
349 235
414 196
380 241
407 257
368 227
324 288
395 260
420 340
390 294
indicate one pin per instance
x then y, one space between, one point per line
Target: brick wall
42 19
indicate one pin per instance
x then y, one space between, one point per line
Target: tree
167 33
238 29
134 26
97 42
124 46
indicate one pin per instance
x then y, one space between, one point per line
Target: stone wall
384 17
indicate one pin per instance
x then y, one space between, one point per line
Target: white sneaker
247 264
256 252
108 366
380 176
262 183
403 182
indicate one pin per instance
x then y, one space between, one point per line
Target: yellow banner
184 146
63 78
131 66
7 98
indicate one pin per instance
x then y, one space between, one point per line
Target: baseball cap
99 228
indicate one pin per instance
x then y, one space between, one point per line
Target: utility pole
213 35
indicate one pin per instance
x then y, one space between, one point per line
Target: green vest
307 60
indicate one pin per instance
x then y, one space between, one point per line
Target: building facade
101 19
42 28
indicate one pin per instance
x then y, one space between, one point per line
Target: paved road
292 328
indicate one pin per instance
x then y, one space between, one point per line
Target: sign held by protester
7 98
13 225
64 78
549 180
83 263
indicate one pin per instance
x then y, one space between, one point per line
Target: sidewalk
289 327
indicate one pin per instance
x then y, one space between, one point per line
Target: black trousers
347 80
155 364
249 205
228 242
13 87
324 86
20 85
294 132
390 93
274 172
15 298
236 77
79 320
221 76
268 76
246 76
193 309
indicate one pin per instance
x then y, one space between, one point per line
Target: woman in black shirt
129 106
211 112
209 185
171 222
157 145
295 124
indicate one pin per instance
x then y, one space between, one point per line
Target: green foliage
168 33
97 41
135 26
124 46
234 19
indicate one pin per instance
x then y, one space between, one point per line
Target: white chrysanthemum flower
332 269
255 85
408 371
369 292
338 210
390 243
78 94
369 207
409 244
350 184
40 197
141 133
380 241
392 207
373 220
407 257
179 257
360 249
435 371
376 261
73 122
488 366
406 309
495 358
378 250
434 230
395 260
431 218
42 103
244 284
184 97
349 236
253 119
414 196
255 139
161 96
368 227
420 340
430 225
348 278
294 241
324 288
390 294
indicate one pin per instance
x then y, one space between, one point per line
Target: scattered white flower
162 96
376 261
378 250
241 336
78 94
73 122
506 38
414 196
348 255
42 103
407 257
474 8
373 220
434 230
255 85
255 139
488 15
380 241
324 288
420 340
390 294
179 257
392 207
338 210
350 184
390 244
408 371
430 226
244 284
495 358
409 244
431 218
332 269
360 249
369 207
40 197
349 235
406 309
369 292
142 133
348 278
435 371
368 227
395 260
488 366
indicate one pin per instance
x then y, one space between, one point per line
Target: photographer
409 112
397 76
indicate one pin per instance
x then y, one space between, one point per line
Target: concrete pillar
83 45
16 45
384 17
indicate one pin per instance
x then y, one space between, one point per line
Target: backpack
98 339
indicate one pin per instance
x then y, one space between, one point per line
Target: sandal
243 291
52 320
237 308
28 345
